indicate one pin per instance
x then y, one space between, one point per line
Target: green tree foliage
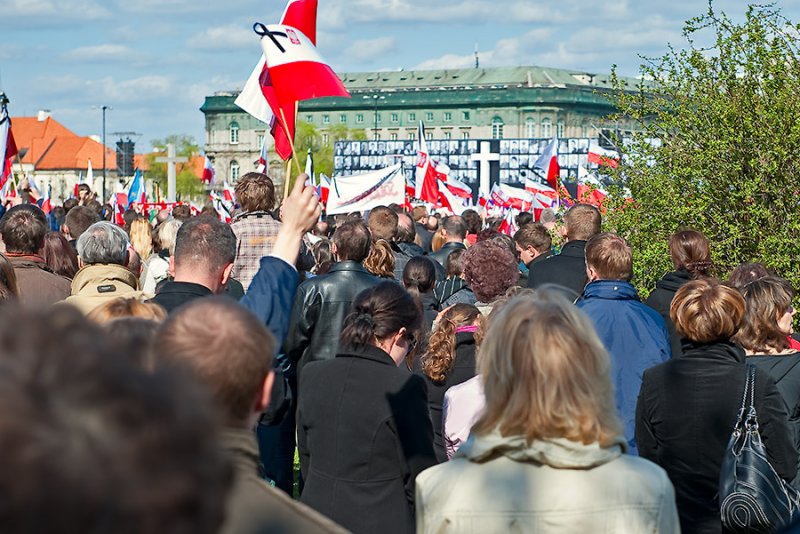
728 120
188 185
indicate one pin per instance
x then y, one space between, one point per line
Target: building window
429 136
325 139
343 118
360 118
378 117
412 117
448 135
395 117
393 137
530 128
260 140
547 128
448 116
412 136
584 130
560 129
464 135
376 136
497 128
310 119
429 116
326 119
234 170
465 115
234 133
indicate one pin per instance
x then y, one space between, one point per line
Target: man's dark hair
524 217
23 228
455 227
118 448
96 207
182 212
78 219
70 203
225 346
406 229
473 221
382 223
129 216
534 235
205 242
352 240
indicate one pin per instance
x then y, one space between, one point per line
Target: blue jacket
270 295
634 335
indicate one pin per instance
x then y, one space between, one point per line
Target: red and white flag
33 188
324 188
458 188
426 188
602 156
294 71
208 172
544 196
8 191
46 206
450 201
300 14
516 198
499 197
548 163
509 224
590 189
227 193
8 148
262 159
120 205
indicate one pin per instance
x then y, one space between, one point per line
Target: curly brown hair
489 270
441 354
255 192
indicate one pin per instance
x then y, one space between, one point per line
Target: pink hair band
467 328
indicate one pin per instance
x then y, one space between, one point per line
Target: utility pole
104 108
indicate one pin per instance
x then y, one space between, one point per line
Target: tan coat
99 283
38 285
502 484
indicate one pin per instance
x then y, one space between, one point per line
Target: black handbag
753 497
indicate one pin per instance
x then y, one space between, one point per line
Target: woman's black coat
685 416
660 299
364 435
463 369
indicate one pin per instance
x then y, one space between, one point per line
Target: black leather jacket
441 254
320 307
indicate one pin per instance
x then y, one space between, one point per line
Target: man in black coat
568 269
321 303
454 231
533 243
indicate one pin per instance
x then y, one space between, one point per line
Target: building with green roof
481 103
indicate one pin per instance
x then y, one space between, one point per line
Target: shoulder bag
752 496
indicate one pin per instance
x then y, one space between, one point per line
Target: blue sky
155 60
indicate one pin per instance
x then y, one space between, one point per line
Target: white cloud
224 38
367 50
49 11
104 52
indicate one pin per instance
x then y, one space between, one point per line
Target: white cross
171 160
485 157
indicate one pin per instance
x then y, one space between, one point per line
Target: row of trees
728 119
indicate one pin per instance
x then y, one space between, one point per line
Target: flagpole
291 141
286 180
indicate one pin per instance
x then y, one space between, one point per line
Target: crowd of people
431 373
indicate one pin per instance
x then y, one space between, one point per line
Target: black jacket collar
348 265
453 244
367 352
539 258
575 249
722 351
190 288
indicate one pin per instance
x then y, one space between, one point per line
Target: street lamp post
105 196
375 99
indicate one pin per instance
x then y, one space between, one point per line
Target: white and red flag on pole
8 148
601 156
34 190
262 159
517 198
509 224
46 206
458 188
449 200
227 193
544 196
590 189
426 188
548 163
208 172
300 14
324 189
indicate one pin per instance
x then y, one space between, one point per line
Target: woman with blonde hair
688 406
127 307
141 233
449 361
547 453
380 260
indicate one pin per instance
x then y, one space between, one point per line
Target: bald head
226 347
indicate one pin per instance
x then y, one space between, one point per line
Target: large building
494 103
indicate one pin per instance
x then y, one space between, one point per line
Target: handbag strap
751 383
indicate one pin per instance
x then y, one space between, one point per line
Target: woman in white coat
547 454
